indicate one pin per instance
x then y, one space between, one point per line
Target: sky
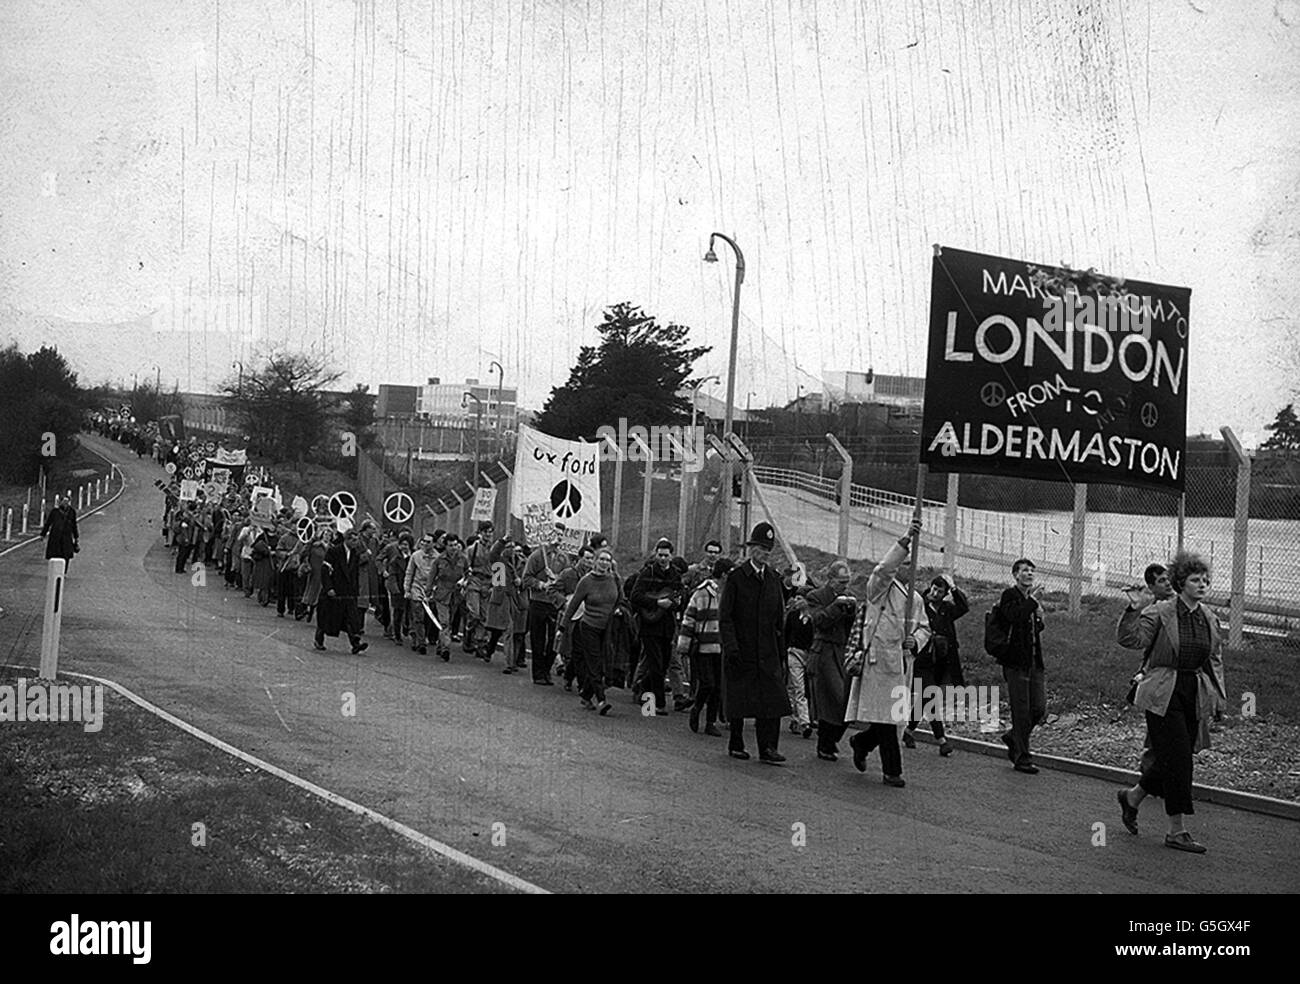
416 189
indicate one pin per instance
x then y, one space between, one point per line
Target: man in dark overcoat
61 529
340 582
751 621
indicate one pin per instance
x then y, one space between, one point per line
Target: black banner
1055 374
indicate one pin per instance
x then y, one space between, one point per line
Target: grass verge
116 811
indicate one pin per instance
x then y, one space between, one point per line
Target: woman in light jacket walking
1180 688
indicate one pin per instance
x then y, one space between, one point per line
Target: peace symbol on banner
170 468
399 508
343 505
250 480
187 471
305 527
319 504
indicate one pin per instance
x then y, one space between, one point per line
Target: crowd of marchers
721 639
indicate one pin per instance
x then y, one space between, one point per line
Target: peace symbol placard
170 468
319 504
343 504
399 508
305 527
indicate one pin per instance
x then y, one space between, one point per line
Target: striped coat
699 628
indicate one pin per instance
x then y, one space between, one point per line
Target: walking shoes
1182 841
1128 814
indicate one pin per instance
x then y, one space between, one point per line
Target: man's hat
762 536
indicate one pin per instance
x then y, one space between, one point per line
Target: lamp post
798 409
748 396
478 430
501 378
157 383
240 388
728 414
695 397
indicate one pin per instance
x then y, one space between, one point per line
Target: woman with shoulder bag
1180 690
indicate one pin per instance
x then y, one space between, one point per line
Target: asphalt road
622 803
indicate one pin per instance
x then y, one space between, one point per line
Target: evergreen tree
635 372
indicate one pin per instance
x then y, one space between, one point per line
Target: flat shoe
945 748
1027 768
827 756
898 781
712 729
741 754
1128 814
908 740
1184 842
771 757
604 708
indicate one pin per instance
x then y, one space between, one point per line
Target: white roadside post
26 509
9 523
58 568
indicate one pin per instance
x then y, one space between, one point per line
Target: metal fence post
467 510
1240 535
950 547
1077 529
618 497
846 496
646 492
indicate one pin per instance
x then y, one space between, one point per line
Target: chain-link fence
977 525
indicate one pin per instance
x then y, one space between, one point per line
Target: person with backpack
1016 626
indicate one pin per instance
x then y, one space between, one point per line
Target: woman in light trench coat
883 651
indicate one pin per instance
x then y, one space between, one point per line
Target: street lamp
478 431
240 366
501 378
798 408
748 396
695 395
728 415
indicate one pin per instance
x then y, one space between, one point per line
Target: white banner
220 477
224 457
189 489
563 474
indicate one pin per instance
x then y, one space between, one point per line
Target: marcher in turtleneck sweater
597 592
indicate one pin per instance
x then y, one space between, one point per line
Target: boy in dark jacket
1022 668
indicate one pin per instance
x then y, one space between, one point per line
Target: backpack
997 635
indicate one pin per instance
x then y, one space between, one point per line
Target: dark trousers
884 737
355 640
1172 739
656 651
926 675
588 652
829 735
399 618
706 669
766 730
541 631
287 596
182 555
1027 693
